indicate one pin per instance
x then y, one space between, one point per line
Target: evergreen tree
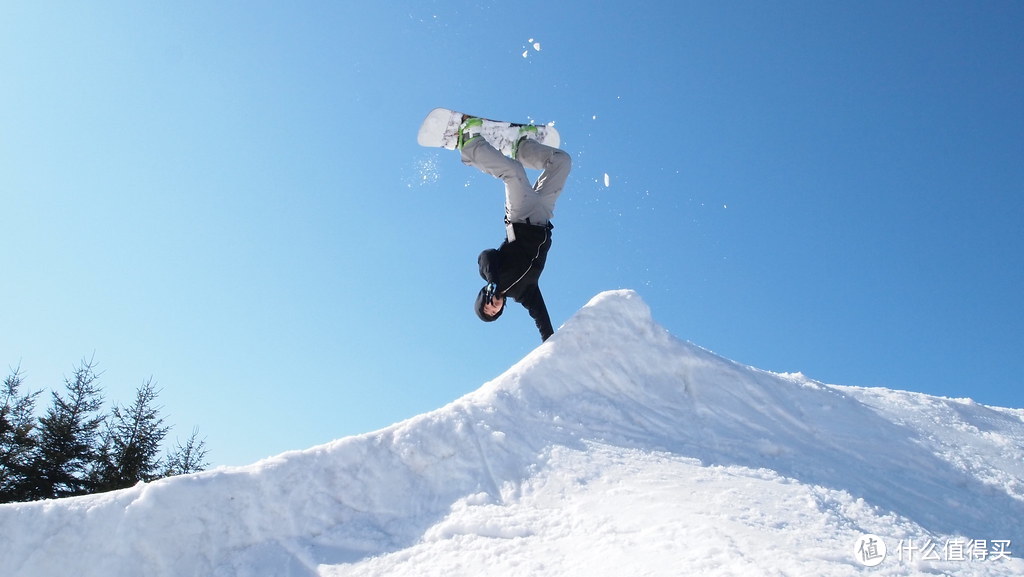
66 439
17 421
131 444
187 458
63 453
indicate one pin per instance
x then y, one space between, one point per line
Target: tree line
75 449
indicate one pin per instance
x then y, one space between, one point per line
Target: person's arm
533 300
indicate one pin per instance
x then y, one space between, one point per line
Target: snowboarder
513 269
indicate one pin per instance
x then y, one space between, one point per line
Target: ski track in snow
612 449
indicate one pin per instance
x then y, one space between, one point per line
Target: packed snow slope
612 449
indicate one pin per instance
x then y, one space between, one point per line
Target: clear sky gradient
228 197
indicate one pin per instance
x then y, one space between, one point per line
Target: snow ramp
611 409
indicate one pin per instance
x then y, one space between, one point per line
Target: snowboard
441 129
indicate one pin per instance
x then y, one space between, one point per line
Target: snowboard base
440 129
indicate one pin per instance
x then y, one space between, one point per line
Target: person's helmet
481 300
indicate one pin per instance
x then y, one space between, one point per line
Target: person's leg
520 197
555 164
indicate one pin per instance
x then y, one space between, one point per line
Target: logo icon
869 550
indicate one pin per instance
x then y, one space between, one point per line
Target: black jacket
516 267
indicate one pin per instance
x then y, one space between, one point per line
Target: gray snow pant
533 204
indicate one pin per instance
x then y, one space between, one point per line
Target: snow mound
614 448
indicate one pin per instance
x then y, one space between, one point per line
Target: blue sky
229 198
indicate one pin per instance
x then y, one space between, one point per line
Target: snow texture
612 449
